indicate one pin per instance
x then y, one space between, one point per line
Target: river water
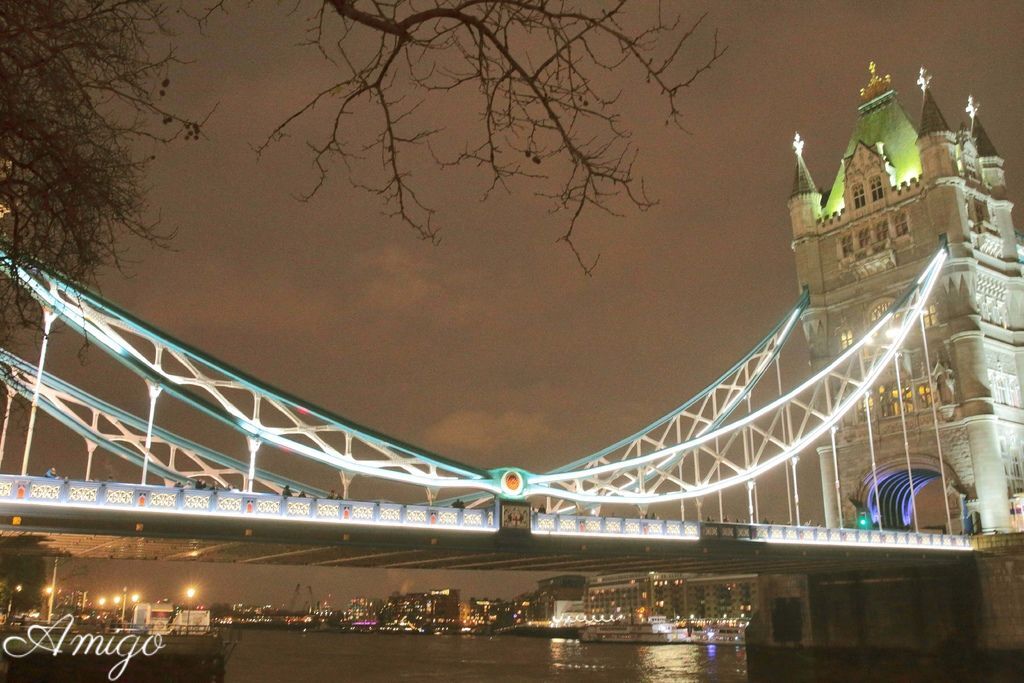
289 656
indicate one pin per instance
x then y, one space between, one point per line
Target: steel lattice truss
698 449
172 458
755 443
706 411
257 411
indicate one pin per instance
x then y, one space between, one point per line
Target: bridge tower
899 191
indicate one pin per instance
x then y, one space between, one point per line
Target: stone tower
899 192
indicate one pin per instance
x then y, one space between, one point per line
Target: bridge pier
960 621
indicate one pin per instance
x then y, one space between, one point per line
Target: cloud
477 431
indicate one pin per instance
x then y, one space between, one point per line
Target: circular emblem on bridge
512 483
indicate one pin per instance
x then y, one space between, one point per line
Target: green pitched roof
880 120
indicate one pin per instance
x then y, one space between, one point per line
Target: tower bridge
909 271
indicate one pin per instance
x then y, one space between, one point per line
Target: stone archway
894 507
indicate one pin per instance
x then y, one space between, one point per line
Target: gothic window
924 395
931 316
878 310
980 210
1013 463
881 231
1005 388
864 238
902 227
876 189
858 196
847 245
845 339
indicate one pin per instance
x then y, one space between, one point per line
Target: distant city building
363 610
637 596
434 610
487 614
555 596
720 597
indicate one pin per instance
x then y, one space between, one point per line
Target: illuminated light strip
881 545
77 316
780 333
216 514
117 444
605 534
910 317
334 460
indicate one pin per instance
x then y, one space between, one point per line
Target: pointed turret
802 181
936 142
932 120
804 200
988 158
983 142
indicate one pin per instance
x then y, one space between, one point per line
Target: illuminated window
924 395
845 339
847 245
863 238
877 192
858 196
931 316
881 231
879 310
902 227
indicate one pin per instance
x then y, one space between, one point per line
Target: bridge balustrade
216 502
213 502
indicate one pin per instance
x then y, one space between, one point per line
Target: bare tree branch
536 66
79 86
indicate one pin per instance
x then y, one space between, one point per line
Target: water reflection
613 661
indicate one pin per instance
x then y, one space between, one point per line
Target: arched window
924 395
881 231
902 227
877 192
845 339
931 316
846 244
863 238
878 310
858 196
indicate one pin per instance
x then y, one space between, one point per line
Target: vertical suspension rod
48 318
906 442
935 422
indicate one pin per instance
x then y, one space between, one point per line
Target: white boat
656 630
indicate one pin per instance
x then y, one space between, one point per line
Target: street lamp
190 593
101 602
10 602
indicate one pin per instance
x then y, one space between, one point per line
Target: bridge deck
125 521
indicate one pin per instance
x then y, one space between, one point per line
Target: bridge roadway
130 521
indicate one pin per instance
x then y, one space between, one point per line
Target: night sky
493 347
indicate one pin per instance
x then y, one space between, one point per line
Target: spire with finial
923 79
802 181
973 106
876 84
932 120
